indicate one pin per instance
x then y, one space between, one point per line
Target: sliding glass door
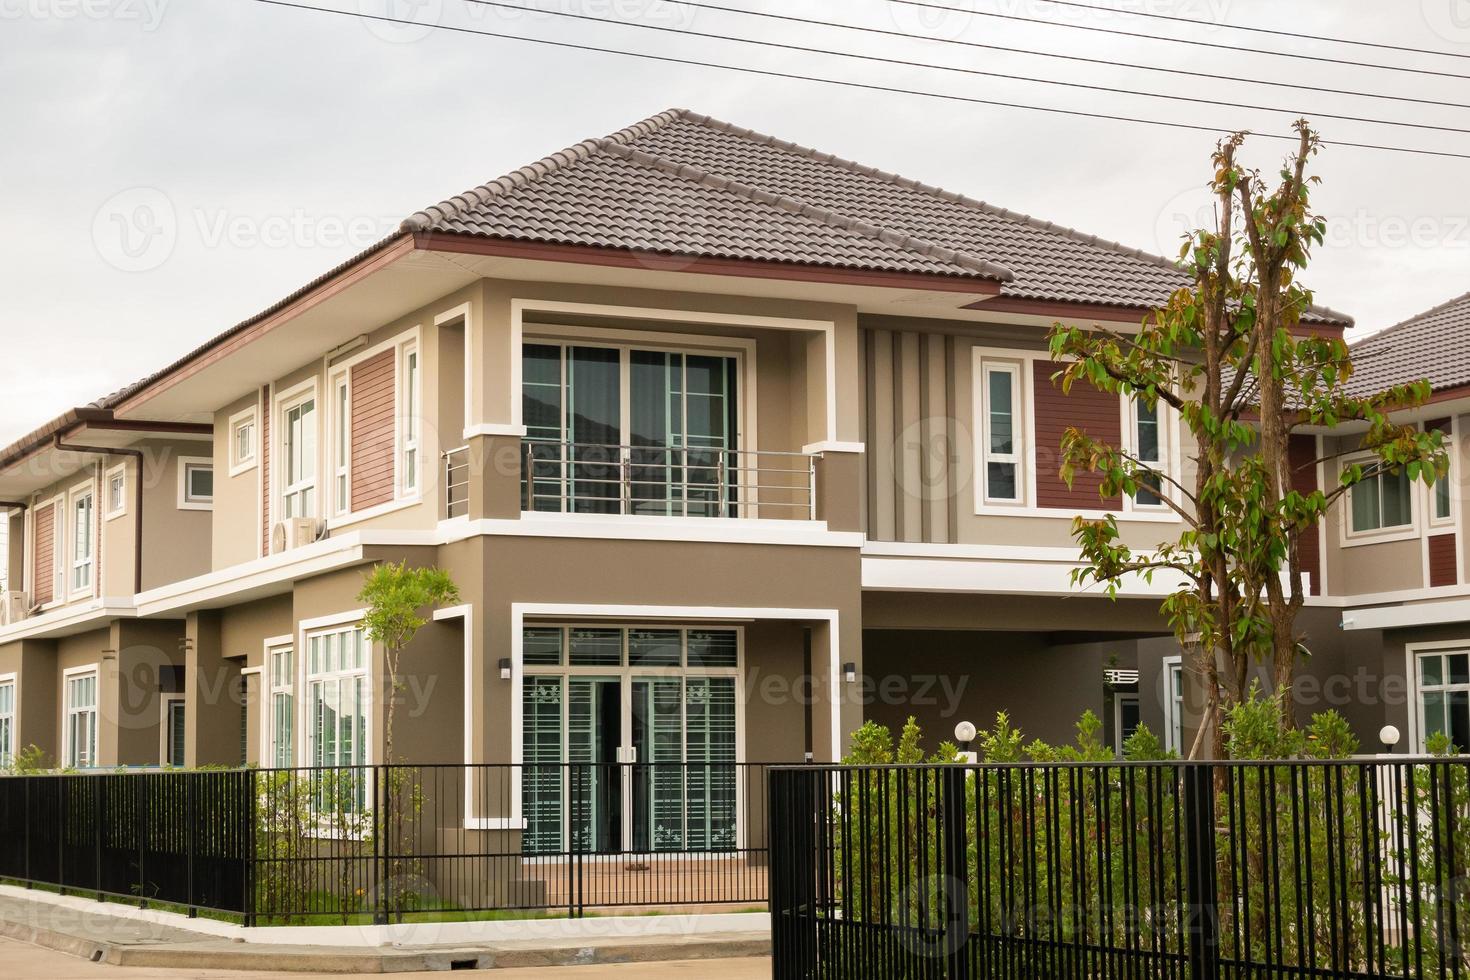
630 430
630 739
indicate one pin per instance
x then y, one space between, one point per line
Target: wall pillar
211 695
495 477
839 489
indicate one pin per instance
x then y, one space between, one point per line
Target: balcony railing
666 481
457 482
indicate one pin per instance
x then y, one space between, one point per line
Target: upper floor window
1444 696
1001 421
79 750
1148 447
196 484
342 445
115 492
409 413
1382 501
7 720
242 442
616 429
1442 511
298 459
83 534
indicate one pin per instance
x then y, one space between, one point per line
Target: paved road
20 961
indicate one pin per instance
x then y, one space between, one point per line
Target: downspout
136 455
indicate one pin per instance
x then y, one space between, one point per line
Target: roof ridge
827 216
853 166
1433 310
520 177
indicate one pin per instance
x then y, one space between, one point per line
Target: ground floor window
337 696
630 738
80 731
281 706
1174 704
7 721
1444 696
173 731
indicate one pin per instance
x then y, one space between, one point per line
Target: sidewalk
121 935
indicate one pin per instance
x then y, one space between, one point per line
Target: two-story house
729 444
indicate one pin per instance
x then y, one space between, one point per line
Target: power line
866 86
1256 30
1083 59
1022 18
1112 90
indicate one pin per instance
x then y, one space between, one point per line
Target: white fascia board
1397 617
1008 577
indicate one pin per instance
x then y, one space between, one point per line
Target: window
83 534
342 448
1126 719
7 720
1382 501
80 751
173 731
1174 704
409 416
1442 512
115 492
281 703
196 484
337 696
242 442
1444 696
1148 447
1001 442
298 460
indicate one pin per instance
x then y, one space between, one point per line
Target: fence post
383 803
190 825
791 829
957 872
1202 922
140 822
247 848
98 785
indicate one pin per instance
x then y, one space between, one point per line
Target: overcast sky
168 169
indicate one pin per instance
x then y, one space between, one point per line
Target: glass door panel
594 427
709 404
594 735
543 775
658 736
541 409
654 427
710 780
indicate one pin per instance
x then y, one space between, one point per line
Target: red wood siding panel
1442 560
264 414
372 393
1096 413
1301 457
43 568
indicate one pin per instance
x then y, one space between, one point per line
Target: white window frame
119 475
341 448
287 402
70 758
1166 464
9 720
1173 705
72 564
166 702
1120 699
187 501
408 395
1431 504
1020 431
305 735
1397 532
246 461
271 688
1412 654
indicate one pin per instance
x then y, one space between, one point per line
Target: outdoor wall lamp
849 672
505 668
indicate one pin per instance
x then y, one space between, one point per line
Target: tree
394 595
1230 355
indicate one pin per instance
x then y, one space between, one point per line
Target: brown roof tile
1434 345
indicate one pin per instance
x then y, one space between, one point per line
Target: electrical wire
865 86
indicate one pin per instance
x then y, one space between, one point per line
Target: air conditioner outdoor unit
293 533
13 607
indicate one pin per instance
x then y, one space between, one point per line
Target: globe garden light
964 733
1389 736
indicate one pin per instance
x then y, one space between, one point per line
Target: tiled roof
1433 345
696 185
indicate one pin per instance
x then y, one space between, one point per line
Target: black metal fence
1169 870
394 843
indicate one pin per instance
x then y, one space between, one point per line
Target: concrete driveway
21 961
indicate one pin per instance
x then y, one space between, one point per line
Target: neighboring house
691 415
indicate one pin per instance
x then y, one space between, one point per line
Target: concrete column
839 490
837 709
38 683
211 695
495 477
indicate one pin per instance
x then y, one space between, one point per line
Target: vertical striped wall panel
1442 569
371 389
